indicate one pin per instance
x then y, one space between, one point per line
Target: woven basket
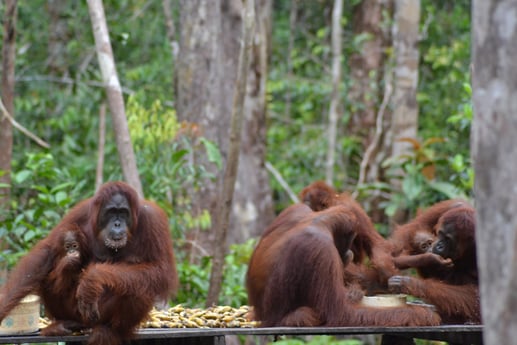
24 318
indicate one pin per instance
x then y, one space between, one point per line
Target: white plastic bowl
383 301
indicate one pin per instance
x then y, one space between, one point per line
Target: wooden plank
460 334
192 340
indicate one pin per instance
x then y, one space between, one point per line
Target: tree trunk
252 210
6 128
293 14
114 93
404 122
334 109
57 55
367 122
494 156
99 176
230 174
201 98
170 28
210 34
364 65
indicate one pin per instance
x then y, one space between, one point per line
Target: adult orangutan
411 243
296 274
132 264
452 289
369 244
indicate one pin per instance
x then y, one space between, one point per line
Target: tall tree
334 109
6 128
205 79
493 147
170 27
367 122
404 122
252 209
293 18
114 92
57 54
230 174
365 65
200 96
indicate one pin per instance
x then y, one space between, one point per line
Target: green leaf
214 156
29 235
51 214
458 163
41 188
61 186
390 210
44 197
61 198
468 88
450 190
21 176
178 155
411 188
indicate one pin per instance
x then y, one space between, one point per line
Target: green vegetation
64 111
319 340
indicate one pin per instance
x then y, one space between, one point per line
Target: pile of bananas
181 317
43 322
213 317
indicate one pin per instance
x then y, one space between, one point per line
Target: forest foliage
64 110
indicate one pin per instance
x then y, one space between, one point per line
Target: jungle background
377 103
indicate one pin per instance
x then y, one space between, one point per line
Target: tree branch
102 141
22 129
378 133
283 183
